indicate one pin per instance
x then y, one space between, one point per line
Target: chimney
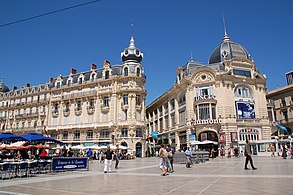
14 88
93 67
72 71
106 62
51 79
28 85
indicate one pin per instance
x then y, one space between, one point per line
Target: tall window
182 99
138 133
125 99
206 111
77 135
138 72
54 135
90 134
104 133
78 105
91 103
80 80
124 132
182 118
125 71
107 74
138 100
65 135
106 101
248 134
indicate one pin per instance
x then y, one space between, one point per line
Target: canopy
36 137
6 137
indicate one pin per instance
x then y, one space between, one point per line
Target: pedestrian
188 157
109 156
222 152
171 152
284 152
247 153
117 156
163 155
64 152
89 154
101 156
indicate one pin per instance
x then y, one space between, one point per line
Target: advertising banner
222 137
234 137
245 110
67 163
204 136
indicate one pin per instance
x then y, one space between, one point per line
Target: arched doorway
138 149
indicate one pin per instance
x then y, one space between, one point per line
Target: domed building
3 88
217 105
97 107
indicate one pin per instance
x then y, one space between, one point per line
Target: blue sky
167 32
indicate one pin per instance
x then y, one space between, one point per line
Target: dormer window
93 77
107 74
80 80
69 82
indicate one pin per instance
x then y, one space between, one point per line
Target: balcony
124 106
77 111
90 110
105 108
55 113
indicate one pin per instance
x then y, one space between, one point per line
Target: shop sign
63 164
210 121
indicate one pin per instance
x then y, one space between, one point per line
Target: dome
3 88
131 53
228 50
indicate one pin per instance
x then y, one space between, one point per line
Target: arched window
243 92
125 71
124 132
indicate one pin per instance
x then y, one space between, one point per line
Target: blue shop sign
67 163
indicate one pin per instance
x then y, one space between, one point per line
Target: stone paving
142 176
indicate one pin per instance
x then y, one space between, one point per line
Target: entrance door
138 149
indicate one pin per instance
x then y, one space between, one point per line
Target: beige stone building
280 108
220 104
100 106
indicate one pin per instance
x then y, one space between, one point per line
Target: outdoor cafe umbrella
36 137
10 137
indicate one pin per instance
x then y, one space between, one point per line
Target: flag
155 134
283 128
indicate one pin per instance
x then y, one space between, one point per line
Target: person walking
284 152
163 155
109 156
247 153
117 156
171 152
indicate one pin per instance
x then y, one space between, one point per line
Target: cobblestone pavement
142 176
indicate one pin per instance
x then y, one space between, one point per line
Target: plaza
142 176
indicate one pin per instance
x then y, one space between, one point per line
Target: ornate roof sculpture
132 53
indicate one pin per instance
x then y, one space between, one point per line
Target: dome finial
226 37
